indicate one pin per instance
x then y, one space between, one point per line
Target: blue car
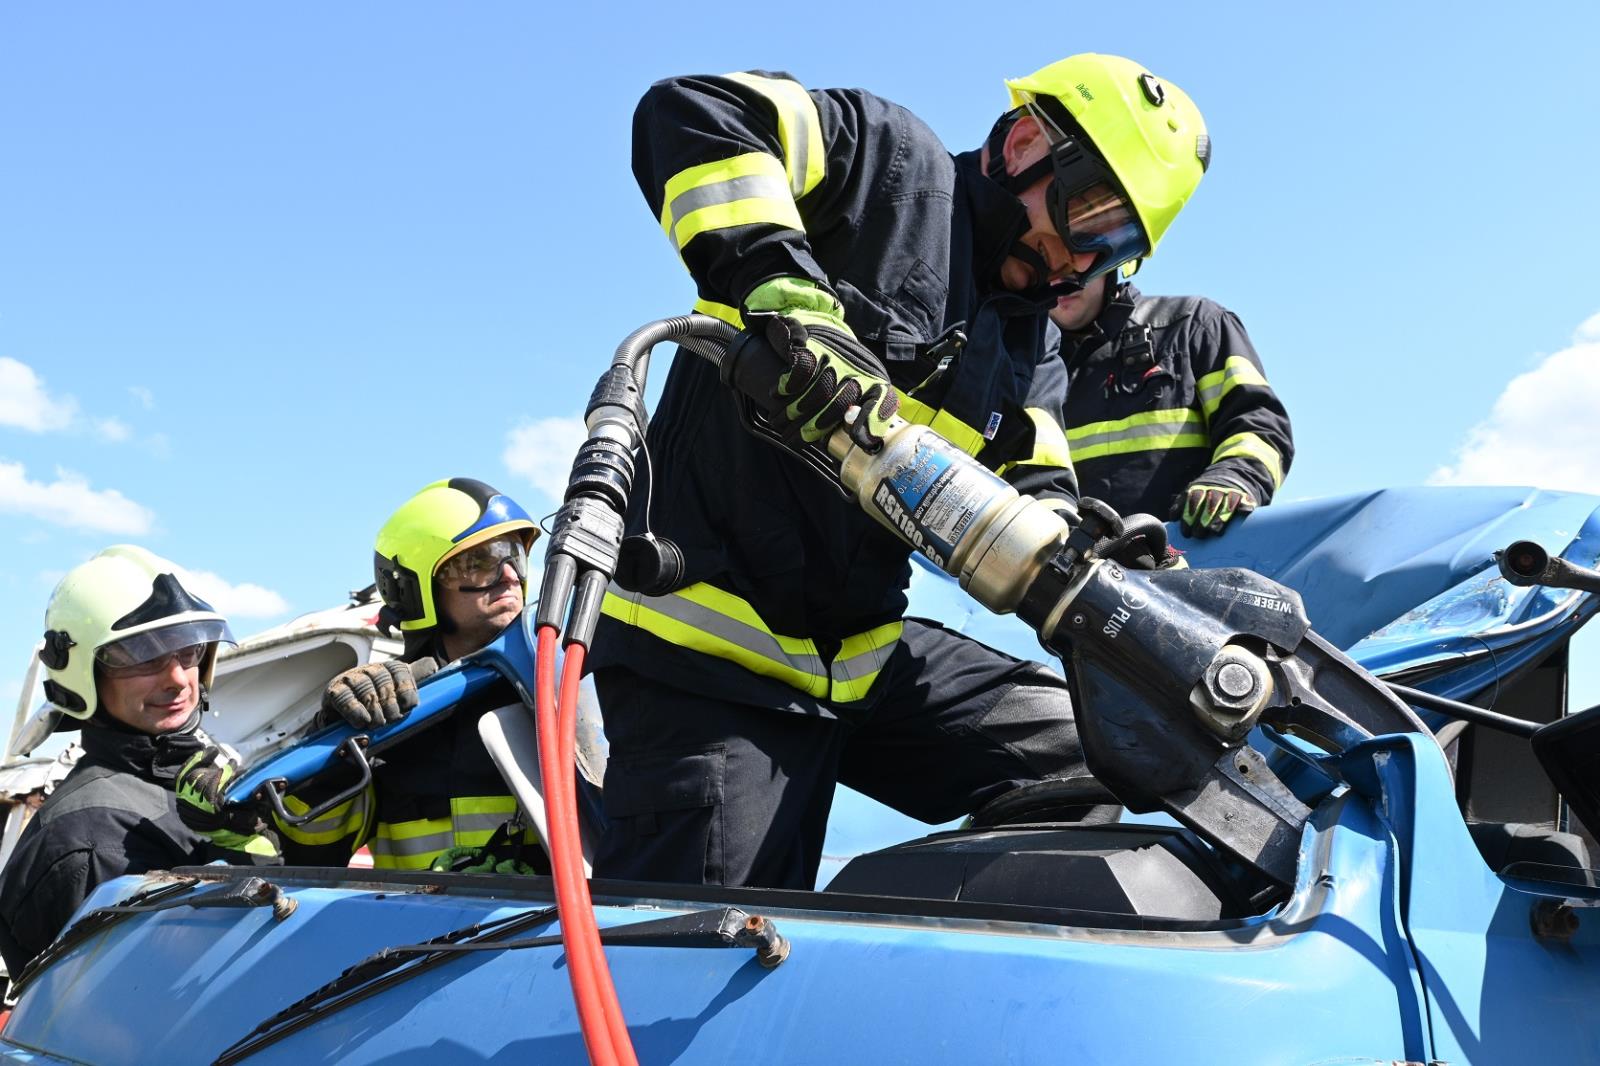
1438 905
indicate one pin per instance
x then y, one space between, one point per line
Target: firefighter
451 566
770 660
129 654
1168 410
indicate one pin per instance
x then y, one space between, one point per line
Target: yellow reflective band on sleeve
1253 446
746 189
350 819
1236 371
730 315
941 422
1144 432
799 129
1050 446
705 619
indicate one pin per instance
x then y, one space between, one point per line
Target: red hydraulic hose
605 1033
567 723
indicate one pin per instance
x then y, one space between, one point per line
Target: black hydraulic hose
1465 711
587 535
634 351
1525 563
1136 527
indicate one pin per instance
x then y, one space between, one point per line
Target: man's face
1042 237
481 593
155 697
1025 145
1075 312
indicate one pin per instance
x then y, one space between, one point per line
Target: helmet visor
478 568
154 645
1096 219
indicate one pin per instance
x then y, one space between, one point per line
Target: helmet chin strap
1046 292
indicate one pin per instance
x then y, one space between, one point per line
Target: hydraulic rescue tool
1171 668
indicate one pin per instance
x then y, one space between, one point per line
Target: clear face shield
154 650
1087 204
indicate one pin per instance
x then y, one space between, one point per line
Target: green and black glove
1210 504
479 861
375 694
829 370
200 786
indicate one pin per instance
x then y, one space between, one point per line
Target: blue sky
267 269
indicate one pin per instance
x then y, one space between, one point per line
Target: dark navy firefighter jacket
793 596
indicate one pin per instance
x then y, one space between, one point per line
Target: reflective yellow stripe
1236 370
746 189
1049 444
1153 443
348 819
708 620
413 845
1142 432
1252 446
941 422
799 129
861 658
730 315
674 618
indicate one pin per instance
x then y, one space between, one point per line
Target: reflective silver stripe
748 187
337 818
423 845
797 125
477 823
863 665
1150 429
732 630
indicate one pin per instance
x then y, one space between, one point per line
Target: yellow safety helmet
443 520
1109 118
125 605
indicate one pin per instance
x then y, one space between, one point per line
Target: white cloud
69 501
542 452
112 429
25 404
1543 430
143 397
233 601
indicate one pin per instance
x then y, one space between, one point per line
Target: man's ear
1025 145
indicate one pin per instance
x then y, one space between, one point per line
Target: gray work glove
375 694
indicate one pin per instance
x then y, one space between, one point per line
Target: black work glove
375 694
829 371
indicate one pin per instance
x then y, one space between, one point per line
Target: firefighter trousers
707 791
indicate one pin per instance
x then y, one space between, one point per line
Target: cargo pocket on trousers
668 806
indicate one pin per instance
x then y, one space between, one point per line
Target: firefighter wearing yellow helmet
890 276
451 565
129 652
1168 407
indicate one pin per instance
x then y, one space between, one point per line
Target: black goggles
479 568
1088 206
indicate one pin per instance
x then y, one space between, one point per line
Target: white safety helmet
124 606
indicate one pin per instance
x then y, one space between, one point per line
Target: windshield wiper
250 892
728 927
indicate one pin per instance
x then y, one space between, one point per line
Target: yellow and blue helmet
440 522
